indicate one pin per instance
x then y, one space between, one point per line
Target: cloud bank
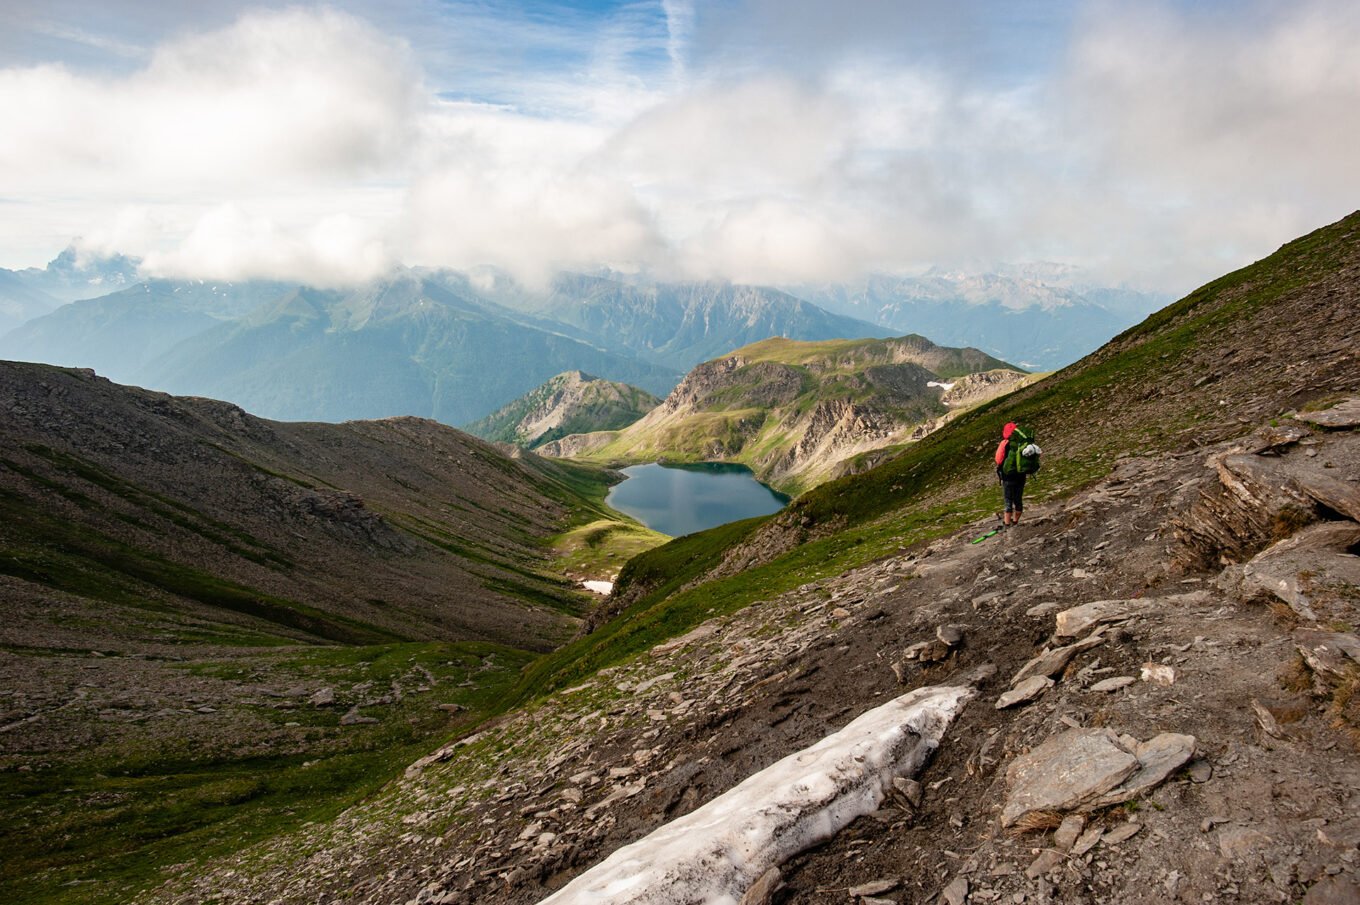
1156 145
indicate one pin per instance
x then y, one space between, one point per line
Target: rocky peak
571 402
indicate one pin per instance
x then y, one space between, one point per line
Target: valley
257 661
679 453
219 626
724 651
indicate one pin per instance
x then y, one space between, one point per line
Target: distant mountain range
1039 323
35 291
444 345
795 411
682 324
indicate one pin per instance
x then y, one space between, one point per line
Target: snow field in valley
714 854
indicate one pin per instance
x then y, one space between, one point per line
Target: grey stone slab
1158 758
1344 414
1066 771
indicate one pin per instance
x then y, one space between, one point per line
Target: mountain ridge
794 411
570 403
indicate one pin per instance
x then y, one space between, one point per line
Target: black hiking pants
1012 489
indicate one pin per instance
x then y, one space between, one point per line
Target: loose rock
1159 674
1113 684
1026 691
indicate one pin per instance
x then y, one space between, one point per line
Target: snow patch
713 855
941 384
599 587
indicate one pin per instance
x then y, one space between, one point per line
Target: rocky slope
1248 796
794 411
570 403
1171 630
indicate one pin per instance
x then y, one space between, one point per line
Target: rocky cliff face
794 411
570 403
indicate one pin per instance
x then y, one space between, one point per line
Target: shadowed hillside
216 625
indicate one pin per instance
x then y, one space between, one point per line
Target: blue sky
781 141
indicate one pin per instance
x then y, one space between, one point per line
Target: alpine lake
683 499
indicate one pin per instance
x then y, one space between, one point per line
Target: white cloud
1164 147
275 99
523 195
247 151
1210 141
226 243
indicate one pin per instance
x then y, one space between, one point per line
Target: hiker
1017 457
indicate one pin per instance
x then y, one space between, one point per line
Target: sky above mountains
772 141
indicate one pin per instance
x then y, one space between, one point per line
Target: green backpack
1022 453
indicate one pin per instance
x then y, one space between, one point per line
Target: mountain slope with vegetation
406 345
120 334
217 625
35 291
570 403
793 411
1180 605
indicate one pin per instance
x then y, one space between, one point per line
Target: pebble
910 789
1201 770
1159 673
1087 841
950 634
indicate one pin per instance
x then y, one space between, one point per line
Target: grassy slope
951 362
97 826
735 426
94 822
1142 393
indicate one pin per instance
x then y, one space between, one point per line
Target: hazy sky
757 140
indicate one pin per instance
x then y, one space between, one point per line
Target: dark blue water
682 499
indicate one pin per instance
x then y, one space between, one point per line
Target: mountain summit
570 403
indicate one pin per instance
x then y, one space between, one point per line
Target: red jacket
1005 438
